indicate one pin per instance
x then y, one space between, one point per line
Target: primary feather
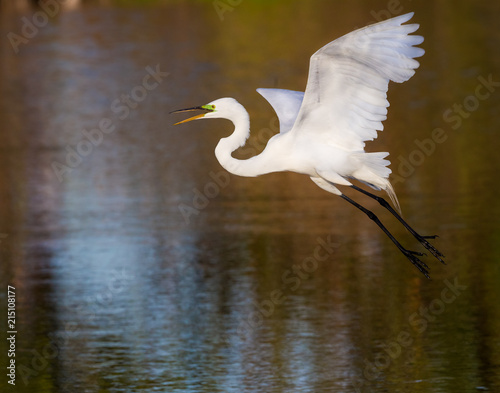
345 100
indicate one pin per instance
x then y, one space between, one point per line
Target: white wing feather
345 100
286 104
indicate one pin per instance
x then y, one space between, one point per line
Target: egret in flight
324 129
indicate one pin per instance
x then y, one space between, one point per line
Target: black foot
433 250
411 255
420 254
421 266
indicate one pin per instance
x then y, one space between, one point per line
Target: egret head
221 108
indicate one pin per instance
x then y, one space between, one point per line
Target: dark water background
140 265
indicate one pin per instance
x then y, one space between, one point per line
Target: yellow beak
196 108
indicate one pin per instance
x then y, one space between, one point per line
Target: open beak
195 108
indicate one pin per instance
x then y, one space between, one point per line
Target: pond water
139 264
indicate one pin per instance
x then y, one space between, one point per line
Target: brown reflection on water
147 267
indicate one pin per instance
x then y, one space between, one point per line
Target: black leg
422 239
411 255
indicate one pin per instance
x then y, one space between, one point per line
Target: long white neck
253 166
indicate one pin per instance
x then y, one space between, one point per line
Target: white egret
323 131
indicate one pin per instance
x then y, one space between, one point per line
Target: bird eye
209 107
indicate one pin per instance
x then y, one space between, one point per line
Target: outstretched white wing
286 104
345 100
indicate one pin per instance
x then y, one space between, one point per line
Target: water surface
140 265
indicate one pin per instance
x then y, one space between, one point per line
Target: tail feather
375 173
392 194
